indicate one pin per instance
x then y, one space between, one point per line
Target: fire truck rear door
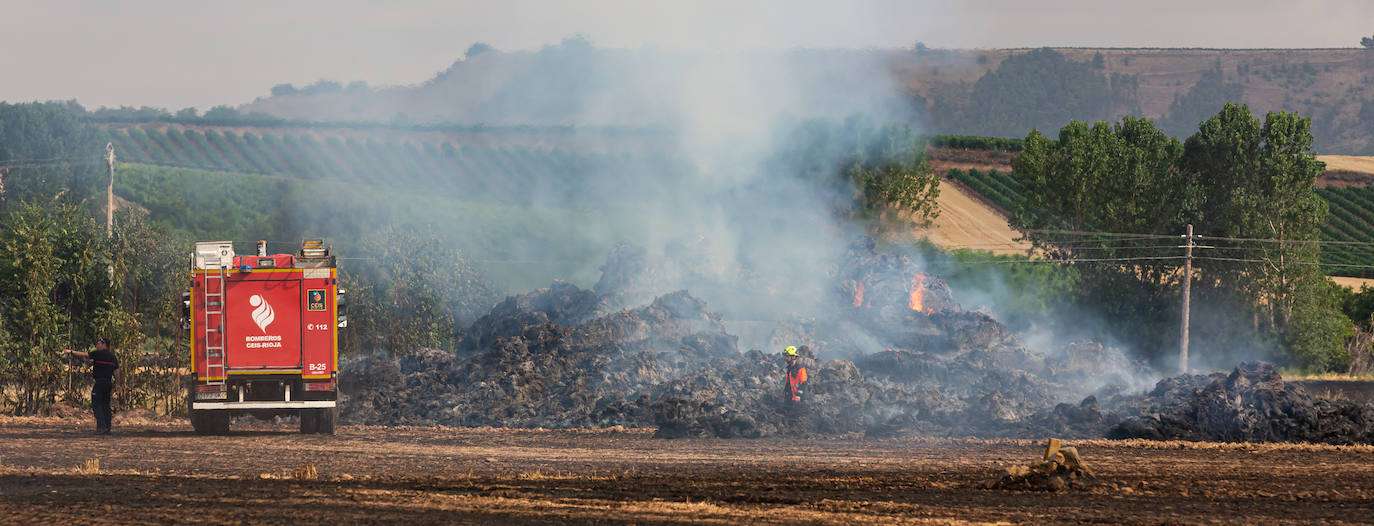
264 329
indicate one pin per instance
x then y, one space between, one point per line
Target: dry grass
559 475
89 467
964 221
1353 283
1367 377
306 472
1349 163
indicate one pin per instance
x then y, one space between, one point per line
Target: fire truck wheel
328 417
208 422
310 421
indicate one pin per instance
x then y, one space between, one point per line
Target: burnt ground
158 472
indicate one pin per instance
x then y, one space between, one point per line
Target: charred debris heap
902 359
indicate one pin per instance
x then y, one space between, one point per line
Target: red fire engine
264 336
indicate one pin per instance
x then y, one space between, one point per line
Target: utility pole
109 204
1187 299
109 193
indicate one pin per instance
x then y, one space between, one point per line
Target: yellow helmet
790 350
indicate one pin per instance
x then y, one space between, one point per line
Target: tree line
1036 89
1237 179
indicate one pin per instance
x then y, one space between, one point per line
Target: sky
176 54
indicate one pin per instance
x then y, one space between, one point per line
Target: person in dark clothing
104 363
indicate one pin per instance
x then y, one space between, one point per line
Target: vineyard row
466 171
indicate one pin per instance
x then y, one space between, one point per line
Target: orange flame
918 292
858 293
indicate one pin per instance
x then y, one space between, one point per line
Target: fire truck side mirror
340 306
185 311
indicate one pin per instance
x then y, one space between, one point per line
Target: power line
54 163
1090 247
1102 234
1112 241
1003 244
1057 246
1121 237
49 160
1289 241
1272 262
1354 246
1068 261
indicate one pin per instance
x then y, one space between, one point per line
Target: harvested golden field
967 220
54 472
1350 163
1354 283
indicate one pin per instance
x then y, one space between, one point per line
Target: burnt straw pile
898 359
1251 403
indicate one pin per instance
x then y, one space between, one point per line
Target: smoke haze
705 175
177 54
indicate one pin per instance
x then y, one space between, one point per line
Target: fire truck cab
264 336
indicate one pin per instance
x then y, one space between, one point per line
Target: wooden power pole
109 193
1187 300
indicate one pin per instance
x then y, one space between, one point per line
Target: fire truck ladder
214 307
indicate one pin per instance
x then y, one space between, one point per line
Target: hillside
941 90
575 84
1294 79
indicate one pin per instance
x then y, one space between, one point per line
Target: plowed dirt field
162 473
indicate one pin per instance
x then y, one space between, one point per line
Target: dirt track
158 473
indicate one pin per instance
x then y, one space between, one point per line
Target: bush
1317 331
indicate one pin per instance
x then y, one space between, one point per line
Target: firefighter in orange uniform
796 376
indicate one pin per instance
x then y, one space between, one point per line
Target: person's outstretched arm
82 354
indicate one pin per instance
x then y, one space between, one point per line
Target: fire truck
264 336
